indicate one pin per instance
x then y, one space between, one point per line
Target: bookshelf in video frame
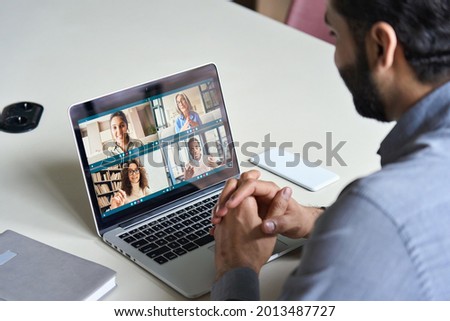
106 183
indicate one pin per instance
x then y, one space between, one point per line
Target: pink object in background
308 16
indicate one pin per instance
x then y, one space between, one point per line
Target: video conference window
141 149
185 110
197 155
130 182
119 132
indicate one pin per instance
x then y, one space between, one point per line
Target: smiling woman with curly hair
134 185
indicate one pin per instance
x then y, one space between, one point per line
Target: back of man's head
422 28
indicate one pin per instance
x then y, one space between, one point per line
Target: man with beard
387 235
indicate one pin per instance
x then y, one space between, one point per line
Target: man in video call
198 164
387 235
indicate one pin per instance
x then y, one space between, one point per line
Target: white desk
275 80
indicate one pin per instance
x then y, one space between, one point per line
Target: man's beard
359 82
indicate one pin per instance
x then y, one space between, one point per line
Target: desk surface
276 81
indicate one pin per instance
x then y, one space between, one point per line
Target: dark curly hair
422 27
126 184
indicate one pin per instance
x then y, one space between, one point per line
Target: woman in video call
134 185
187 118
119 131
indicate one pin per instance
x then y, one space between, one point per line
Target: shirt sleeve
197 119
240 284
178 124
356 252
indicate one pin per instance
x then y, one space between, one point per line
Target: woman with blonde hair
188 118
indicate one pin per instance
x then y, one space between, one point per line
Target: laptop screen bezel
106 103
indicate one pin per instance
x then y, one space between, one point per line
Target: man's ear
381 46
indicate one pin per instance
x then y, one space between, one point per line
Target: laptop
154 159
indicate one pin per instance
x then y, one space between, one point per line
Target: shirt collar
430 113
191 116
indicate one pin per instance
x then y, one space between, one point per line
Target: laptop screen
146 146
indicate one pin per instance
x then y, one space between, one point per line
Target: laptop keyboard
175 234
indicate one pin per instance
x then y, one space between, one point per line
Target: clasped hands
248 216
189 123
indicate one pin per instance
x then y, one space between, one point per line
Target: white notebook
33 271
292 168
